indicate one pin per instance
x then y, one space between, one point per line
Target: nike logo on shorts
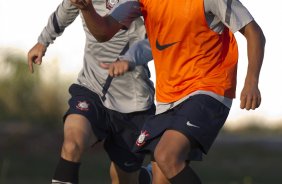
59 182
129 164
191 125
162 47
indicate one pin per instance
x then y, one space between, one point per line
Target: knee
77 137
164 160
169 162
71 150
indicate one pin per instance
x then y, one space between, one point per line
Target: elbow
253 32
263 39
102 38
260 35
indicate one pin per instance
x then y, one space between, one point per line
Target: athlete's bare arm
250 95
139 53
103 28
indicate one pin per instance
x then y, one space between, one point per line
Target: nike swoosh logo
191 125
129 164
162 47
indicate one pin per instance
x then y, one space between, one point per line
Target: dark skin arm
250 95
102 28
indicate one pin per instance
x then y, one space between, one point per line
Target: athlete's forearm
250 96
102 28
255 45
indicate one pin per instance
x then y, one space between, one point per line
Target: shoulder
222 5
232 13
126 11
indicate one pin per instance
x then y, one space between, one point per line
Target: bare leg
158 176
78 136
171 158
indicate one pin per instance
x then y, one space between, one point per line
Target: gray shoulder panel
230 13
126 11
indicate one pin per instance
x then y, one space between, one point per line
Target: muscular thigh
173 144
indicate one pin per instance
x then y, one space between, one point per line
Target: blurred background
247 151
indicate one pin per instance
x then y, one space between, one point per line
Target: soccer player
101 108
195 55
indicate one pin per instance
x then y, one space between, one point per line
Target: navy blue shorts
119 131
200 118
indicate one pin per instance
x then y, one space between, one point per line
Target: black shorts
118 130
200 118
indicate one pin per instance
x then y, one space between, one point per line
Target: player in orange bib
195 55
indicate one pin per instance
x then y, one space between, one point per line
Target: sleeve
64 15
136 31
232 13
139 53
126 11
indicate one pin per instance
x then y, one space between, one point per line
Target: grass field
236 158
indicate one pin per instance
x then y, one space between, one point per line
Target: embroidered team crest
83 106
111 3
141 139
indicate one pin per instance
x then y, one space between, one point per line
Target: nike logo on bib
162 47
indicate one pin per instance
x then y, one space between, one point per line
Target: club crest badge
141 139
83 106
111 3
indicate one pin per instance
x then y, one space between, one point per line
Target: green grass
246 158
243 159
37 167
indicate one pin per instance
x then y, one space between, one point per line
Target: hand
35 55
117 68
250 97
81 4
